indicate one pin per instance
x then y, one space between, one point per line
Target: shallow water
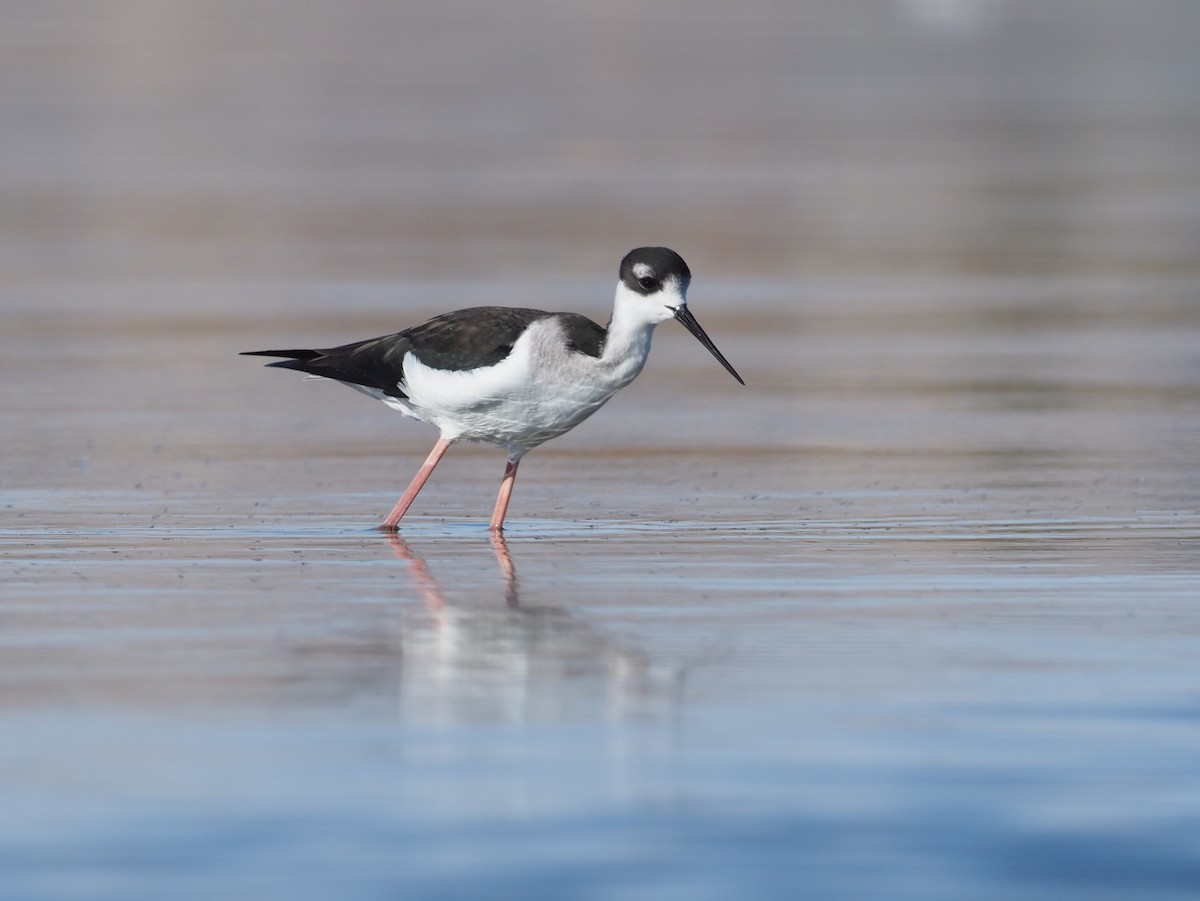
912 614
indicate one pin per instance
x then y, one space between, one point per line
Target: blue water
836 714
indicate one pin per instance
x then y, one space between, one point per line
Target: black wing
583 335
469 339
465 339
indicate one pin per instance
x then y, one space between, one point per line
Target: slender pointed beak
684 315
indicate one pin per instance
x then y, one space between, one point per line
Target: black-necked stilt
511 377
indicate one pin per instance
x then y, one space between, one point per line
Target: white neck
628 341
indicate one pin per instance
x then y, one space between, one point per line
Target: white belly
538 392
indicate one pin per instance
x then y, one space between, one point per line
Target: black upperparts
376 363
583 335
483 336
469 339
474 338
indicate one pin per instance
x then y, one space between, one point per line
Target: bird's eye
647 281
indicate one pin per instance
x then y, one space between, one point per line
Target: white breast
538 392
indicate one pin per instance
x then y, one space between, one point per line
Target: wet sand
913 613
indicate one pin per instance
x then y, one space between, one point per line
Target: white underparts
542 389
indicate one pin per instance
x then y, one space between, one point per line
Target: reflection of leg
507 569
430 590
506 487
414 488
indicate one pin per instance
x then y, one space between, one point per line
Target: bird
510 377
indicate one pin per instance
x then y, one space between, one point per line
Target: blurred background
378 141
911 615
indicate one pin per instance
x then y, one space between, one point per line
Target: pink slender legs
506 487
426 470
414 488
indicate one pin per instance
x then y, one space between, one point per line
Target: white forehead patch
642 270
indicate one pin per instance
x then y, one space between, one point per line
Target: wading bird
514 378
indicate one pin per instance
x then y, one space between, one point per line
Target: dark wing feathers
469 339
583 335
465 339
294 354
375 363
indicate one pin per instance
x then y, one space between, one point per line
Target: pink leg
506 487
414 488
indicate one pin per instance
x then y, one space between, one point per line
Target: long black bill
684 315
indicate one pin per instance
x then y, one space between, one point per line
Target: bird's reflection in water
511 662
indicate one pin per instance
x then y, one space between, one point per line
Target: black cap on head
645 269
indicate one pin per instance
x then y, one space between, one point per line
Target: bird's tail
298 359
290 354
353 364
